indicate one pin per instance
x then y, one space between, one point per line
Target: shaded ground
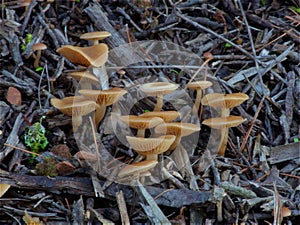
255 51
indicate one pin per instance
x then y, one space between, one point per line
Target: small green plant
28 39
39 68
296 9
263 2
34 136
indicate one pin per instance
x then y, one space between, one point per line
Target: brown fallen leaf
3 189
14 96
29 220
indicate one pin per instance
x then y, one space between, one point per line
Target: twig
122 208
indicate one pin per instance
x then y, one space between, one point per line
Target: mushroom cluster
224 102
167 133
90 101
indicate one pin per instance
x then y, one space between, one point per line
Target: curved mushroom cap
217 100
203 84
103 97
95 55
158 88
94 36
137 168
165 115
39 46
224 122
74 105
139 122
85 76
177 128
145 146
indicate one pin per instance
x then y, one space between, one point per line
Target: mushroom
199 86
103 98
167 116
85 78
158 89
141 124
223 124
95 36
224 102
138 168
75 106
38 47
178 129
151 147
95 55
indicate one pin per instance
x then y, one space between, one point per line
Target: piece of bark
4 109
83 186
284 153
122 208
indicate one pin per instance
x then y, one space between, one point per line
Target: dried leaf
14 96
3 188
29 220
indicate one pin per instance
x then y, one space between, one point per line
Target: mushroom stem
76 122
152 157
37 59
141 133
159 103
197 101
95 42
225 112
99 114
175 143
223 141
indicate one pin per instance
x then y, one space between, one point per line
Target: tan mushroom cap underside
103 97
145 146
96 35
137 168
177 128
158 88
203 84
139 122
95 55
224 122
74 105
165 115
84 76
218 100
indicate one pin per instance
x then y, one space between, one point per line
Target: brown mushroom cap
39 46
137 168
139 122
158 88
84 76
94 36
165 115
145 146
103 97
217 100
177 128
203 84
74 105
95 55
224 122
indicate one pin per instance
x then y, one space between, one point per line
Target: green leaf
228 45
296 139
296 9
39 68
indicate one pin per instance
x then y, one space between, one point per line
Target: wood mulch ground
240 46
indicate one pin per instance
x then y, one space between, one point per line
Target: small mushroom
141 124
158 89
178 129
95 36
167 116
224 102
138 168
75 106
85 77
151 147
95 55
199 86
38 47
223 124
103 98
